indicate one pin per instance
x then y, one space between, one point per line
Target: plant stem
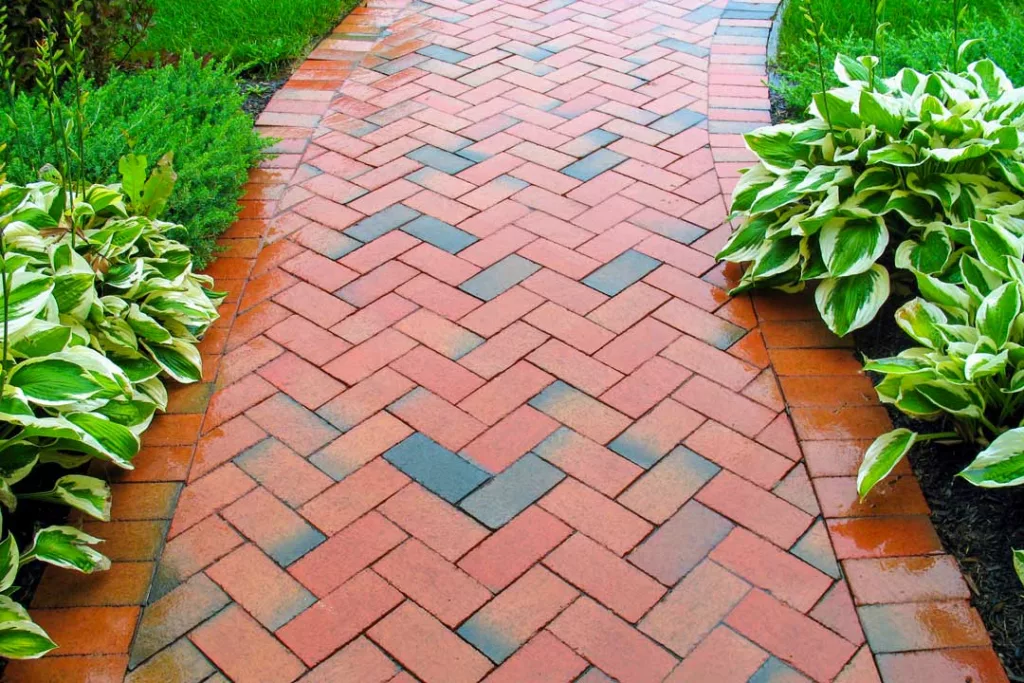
6 305
937 435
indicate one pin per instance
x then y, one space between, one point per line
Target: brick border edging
144 499
836 414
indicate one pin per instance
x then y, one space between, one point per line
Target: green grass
259 35
919 38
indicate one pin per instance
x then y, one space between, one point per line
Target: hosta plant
967 371
99 304
899 167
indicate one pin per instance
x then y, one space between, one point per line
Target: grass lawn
919 37
259 35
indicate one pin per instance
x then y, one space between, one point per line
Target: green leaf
9 562
999 465
877 178
745 242
23 638
955 400
852 245
849 303
882 457
133 177
159 187
897 154
30 293
849 70
1018 564
882 111
107 438
88 494
929 254
993 244
917 210
780 193
920 319
981 365
895 365
178 359
69 548
780 147
55 381
998 311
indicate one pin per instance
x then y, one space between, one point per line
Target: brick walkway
485 409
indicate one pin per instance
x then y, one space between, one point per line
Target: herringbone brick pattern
485 409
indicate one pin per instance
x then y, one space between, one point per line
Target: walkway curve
480 407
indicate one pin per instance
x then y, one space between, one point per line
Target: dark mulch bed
258 90
977 526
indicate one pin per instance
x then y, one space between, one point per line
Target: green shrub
98 301
933 163
918 38
248 33
190 109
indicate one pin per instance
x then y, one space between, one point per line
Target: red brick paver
485 410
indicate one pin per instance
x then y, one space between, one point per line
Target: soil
259 89
977 526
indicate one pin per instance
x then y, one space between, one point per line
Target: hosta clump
968 369
100 303
900 165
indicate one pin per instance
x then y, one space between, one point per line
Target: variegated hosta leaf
882 457
780 193
914 208
978 279
998 312
69 548
178 359
849 303
929 254
877 178
852 245
955 400
781 147
745 242
920 319
953 299
895 154
88 494
895 365
849 70
999 465
20 637
105 438
884 112
981 365
993 244
68 377
29 294
9 562
837 106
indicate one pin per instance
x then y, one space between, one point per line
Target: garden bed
977 526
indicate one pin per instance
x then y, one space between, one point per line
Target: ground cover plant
925 167
189 108
99 304
261 35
